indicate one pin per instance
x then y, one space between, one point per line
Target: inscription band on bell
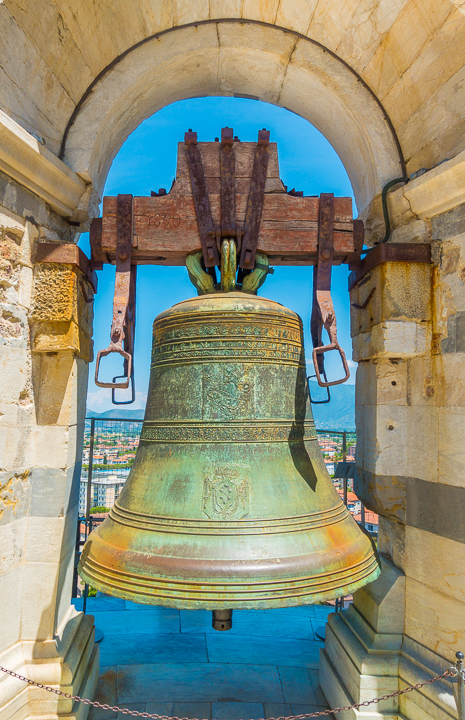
243 433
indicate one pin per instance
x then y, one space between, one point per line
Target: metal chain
452 672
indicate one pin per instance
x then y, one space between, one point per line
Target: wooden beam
166 231
165 228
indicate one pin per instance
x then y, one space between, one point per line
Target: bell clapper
222 619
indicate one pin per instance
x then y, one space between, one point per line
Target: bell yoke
228 504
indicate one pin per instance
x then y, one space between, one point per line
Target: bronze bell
228 504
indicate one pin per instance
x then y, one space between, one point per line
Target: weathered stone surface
10 590
61 317
391 540
12 543
383 494
54 491
60 384
435 561
361 656
401 291
449 224
381 602
382 383
451 439
434 619
449 380
55 293
15 495
392 339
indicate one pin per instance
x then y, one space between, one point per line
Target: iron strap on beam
201 201
388 252
228 184
254 208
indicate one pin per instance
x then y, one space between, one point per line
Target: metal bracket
323 314
388 252
254 208
210 237
201 201
318 402
123 325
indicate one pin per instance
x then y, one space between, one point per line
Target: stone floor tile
105 693
151 648
98 604
276 710
298 611
297 687
322 611
159 708
140 606
139 706
126 622
236 710
200 710
302 709
250 623
197 621
226 648
314 676
199 682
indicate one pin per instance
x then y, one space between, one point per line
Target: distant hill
338 414
125 413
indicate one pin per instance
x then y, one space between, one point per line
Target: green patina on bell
228 504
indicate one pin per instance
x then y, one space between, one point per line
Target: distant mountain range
338 414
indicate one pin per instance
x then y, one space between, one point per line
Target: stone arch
236 58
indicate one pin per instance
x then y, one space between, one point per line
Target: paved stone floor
172 662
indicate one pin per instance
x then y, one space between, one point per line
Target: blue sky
147 161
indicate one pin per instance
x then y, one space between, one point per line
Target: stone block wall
45 344
409 342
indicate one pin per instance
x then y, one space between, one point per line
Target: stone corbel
61 314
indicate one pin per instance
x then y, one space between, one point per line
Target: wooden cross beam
165 228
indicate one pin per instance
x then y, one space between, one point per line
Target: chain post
459 688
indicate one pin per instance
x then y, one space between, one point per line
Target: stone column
410 396
45 345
